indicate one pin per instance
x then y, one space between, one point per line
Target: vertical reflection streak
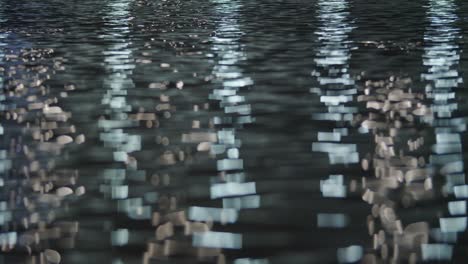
119 63
442 57
229 77
3 37
337 91
34 135
5 163
336 86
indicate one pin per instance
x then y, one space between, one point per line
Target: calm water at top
233 131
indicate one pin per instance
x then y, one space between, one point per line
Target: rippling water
232 131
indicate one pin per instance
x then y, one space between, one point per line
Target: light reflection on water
337 89
442 57
230 83
169 166
337 92
35 133
119 65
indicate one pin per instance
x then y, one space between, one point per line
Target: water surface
245 132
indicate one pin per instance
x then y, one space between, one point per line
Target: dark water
245 132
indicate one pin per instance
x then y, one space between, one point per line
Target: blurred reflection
230 82
121 180
35 133
119 64
3 44
441 57
399 176
167 177
337 91
399 164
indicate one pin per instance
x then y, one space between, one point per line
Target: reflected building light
333 147
114 175
251 261
436 252
329 136
445 237
442 58
341 158
230 164
5 217
205 214
128 204
350 254
117 118
139 213
227 137
221 94
115 191
212 239
336 85
3 37
120 237
461 191
333 187
335 99
343 131
119 140
338 153
332 220
457 207
120 64
220 190
238 177
332 117
236 112
453 224
335 89
252 201
32 140
8 239
5 164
